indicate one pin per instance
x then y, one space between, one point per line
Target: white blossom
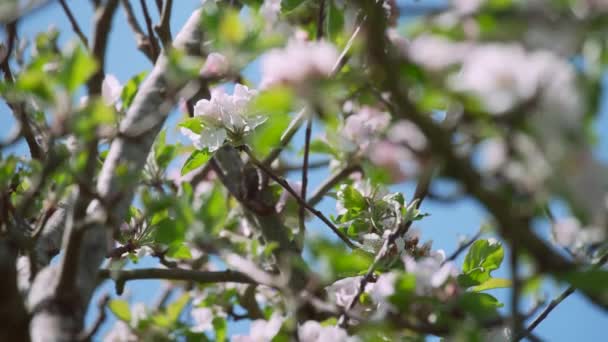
202 318
429 272
138 313
313 331
568 232
298 62
502 76
144 251
270 10
384 287
120 332
362 127
436 53
224 117
343 291
467 6
110 89
261 330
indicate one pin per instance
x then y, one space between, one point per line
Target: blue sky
574 319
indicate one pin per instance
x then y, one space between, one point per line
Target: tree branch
555 302
74 23
103 23
330 182
281 181
202 277
154 43
163 29
57 318
302 212
143 42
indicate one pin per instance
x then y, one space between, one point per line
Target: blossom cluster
224 117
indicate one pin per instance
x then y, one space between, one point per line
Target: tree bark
59 316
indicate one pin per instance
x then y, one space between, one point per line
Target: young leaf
493 283
483 257
196 160
120 308
130 88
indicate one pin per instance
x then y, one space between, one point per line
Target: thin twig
19 108
463 247
321 20
74 23
281 181
516 321
203 277
101 317
163 29
103 25
151 36
312 164
143 42
329 183
302 212
291 130
555 302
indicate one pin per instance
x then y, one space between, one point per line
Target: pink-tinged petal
215 65
110 89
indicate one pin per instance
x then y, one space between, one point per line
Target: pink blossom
270 10
396 160
215 65
436 53
364 126
297 63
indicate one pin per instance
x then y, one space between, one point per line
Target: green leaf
322 147
95 114
214 210
220 327
268 135
492 283
37 83
175 309
163 153
179 251
231 27
169 317
351 198
480 305
129 90
483 257
592 281
289 5
405 288
343 263
77 68
196 160
120 308
168 232
194 124
334 21
275 101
